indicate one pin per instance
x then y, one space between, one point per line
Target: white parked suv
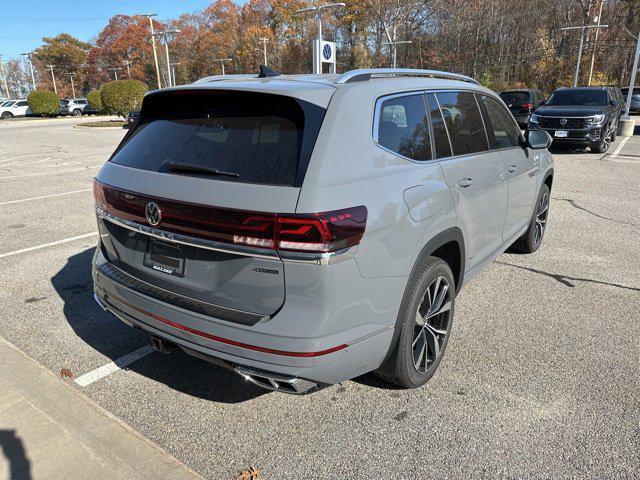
73 106
17 108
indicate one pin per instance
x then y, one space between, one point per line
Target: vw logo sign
563 121
326 51
153 213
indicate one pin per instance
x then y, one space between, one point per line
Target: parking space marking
623 142
28 175
45 245
117 364
10 202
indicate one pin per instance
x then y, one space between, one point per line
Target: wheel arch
548 178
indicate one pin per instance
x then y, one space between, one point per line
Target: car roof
318 89
519 90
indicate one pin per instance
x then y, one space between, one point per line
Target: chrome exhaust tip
278 383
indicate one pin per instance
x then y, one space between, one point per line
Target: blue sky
24 23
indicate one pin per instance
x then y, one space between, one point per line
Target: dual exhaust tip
269 381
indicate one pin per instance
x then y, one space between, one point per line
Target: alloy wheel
541 218
432 325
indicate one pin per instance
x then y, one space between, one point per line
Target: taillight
527 106
321 232
314 232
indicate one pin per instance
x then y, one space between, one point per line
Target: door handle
512 168
465 182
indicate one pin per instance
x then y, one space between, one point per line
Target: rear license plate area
164 257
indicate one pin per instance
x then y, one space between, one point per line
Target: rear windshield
261 138
511 97
596 98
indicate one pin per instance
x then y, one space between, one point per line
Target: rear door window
501 127
464 123
440 137
261 138
403 127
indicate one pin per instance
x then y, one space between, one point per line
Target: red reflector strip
215 338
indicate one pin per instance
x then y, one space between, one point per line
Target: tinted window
463 121
264 138
578 97
440 137
512 97
403 127
22 104
502 129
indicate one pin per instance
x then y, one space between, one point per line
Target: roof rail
368 73
233 76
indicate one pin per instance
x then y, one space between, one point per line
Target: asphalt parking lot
541 378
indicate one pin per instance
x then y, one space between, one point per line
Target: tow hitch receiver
162 346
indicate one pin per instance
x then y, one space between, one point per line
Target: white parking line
623 142
27 175
45 245
45 196
117 364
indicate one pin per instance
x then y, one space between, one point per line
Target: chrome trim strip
187 240
329 258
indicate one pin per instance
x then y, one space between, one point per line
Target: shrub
44 102
95 99
121 96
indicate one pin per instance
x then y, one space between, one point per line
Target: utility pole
53 78
33 77
632 80
115 71
128 64
222 60
73 88
4 77
595 41
394 45
582 29
264 49
165 35
318 11
153 42
173 72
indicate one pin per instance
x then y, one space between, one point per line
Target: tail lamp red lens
528 106
315 232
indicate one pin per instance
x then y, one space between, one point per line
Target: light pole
595 41
394 45
4 77
166 50
318 11
173 72
73 88
632 80
222 60
128 64
264 49
33 77
153 43
53 78
115 71
582 29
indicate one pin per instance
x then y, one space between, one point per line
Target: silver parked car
302 230
73 106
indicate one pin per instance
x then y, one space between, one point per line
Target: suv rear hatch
518 102
186 205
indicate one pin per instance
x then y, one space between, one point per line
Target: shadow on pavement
14 452
112 338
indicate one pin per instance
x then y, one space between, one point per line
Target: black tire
77 112
434 274
6 115
614 133
603 145
532 238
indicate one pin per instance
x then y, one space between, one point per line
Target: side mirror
537 139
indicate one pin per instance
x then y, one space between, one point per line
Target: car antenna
267 72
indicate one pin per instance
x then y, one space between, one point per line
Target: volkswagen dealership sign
323 53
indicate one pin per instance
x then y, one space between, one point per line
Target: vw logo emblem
153 213
326 51
563 121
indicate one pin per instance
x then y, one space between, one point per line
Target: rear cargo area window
249 137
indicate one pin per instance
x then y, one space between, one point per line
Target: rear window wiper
194 168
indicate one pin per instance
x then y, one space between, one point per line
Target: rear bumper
327 359
522 118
